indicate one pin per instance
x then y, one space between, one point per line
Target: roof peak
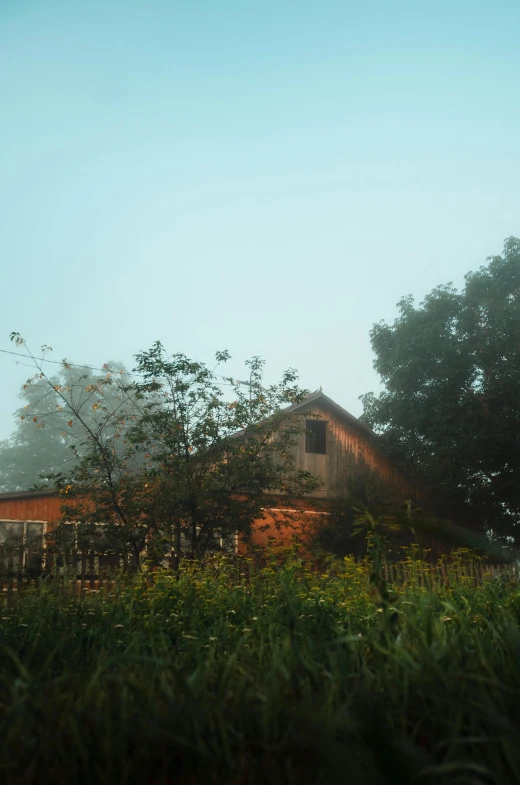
338 410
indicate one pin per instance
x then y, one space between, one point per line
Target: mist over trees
450 411
43 441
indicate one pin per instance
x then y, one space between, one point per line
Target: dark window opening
316 438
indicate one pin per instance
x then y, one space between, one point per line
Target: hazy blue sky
266 177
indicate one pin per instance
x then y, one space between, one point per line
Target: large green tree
450 410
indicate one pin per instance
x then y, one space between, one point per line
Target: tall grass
282 676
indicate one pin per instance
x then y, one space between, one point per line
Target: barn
330 440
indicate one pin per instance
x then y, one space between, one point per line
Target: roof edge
21 494
337 409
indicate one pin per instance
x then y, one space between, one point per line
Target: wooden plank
92 569
10 573
83 569
21 554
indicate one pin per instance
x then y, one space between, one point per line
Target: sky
264 177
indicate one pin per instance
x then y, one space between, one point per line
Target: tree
42 439
450 411
176 465
217 461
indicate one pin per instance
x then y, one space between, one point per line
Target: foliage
450 413
170 462
44 441
225 674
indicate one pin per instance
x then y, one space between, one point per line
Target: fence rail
446 572
22 567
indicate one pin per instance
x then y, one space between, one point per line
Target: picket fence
448 571
88 569
23 567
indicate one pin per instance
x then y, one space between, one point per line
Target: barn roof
317 397
24 494
323 400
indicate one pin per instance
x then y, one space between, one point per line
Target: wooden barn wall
341 439
30 508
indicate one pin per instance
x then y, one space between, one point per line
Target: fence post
75 564
91 569
83 569
10 575
21 555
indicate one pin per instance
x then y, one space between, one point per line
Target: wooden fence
90 570
27 558
447 571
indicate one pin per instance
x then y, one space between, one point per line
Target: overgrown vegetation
276 674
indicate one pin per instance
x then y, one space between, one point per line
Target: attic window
316 437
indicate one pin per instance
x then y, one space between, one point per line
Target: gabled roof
317 397
324 401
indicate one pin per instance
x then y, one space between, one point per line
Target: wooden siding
286 524
30 507
342 441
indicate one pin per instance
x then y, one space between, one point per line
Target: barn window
316 438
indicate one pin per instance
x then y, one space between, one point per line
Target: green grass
287 677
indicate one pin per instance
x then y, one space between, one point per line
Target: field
273 675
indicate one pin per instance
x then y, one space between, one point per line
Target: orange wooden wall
30 508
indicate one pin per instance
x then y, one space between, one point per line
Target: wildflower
119 626
212 639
